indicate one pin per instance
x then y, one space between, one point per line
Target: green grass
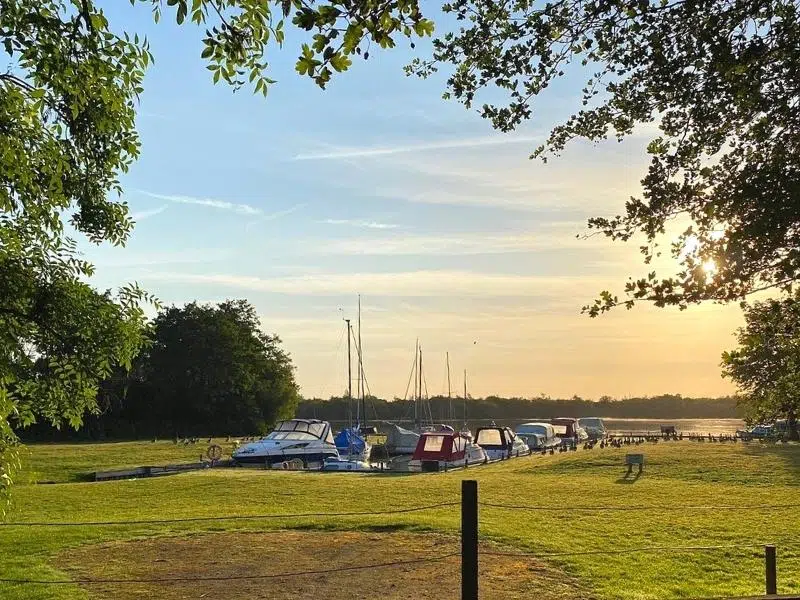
61 463
677 474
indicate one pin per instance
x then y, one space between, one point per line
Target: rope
226 518
229 577
638 507
626 551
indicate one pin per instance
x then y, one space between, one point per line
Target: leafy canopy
721 78
766 365
211 370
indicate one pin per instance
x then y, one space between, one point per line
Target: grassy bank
678 474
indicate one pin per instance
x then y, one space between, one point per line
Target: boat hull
274 459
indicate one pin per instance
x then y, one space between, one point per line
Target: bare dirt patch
227 555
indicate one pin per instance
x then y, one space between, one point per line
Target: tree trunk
791 423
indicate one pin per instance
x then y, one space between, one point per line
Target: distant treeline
440 408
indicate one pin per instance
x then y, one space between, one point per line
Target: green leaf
340 62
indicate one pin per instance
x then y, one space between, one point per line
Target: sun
710 267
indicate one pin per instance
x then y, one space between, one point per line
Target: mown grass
677 474
60 463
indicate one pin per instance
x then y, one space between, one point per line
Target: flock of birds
621 441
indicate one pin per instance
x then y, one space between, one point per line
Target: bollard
771 571
469 540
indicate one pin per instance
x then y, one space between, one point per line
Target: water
619 426
713 426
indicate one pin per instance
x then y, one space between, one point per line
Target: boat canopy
546 430
441 446
565 426
351 441
494 437
397 437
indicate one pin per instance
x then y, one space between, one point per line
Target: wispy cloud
360 223
462 245
242 209
431 283
282 213
342 153
141 215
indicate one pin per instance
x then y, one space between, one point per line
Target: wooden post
469 540
770 560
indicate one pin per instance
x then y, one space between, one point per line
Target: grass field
678 474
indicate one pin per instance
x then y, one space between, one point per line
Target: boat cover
399 438
349 441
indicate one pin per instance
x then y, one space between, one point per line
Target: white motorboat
594 427
500 443
308 440
538 436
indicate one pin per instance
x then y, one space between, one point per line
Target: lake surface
713 426
620 426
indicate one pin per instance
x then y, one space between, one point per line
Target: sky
376 186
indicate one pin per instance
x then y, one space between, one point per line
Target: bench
634 459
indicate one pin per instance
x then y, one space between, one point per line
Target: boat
307 440
595 428
445 449
347 465
570 432
500 443
538 436
399 440
351 443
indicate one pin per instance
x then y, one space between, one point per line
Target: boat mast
420 375
363 408
349 378
416 387
465 398
449 398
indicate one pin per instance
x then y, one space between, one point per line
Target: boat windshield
490 437
433 443
316 430
291 435
591 422
560 429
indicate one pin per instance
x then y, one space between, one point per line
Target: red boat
443 449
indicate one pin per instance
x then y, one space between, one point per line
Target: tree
68 91
721 79
210 370
766 366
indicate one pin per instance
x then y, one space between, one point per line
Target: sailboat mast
420 374
416 387
465 397
349 378
449 398
363 409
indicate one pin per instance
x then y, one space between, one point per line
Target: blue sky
300 201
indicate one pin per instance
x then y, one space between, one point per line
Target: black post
469 540
770 560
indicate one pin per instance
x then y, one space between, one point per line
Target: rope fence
365 513
469 553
